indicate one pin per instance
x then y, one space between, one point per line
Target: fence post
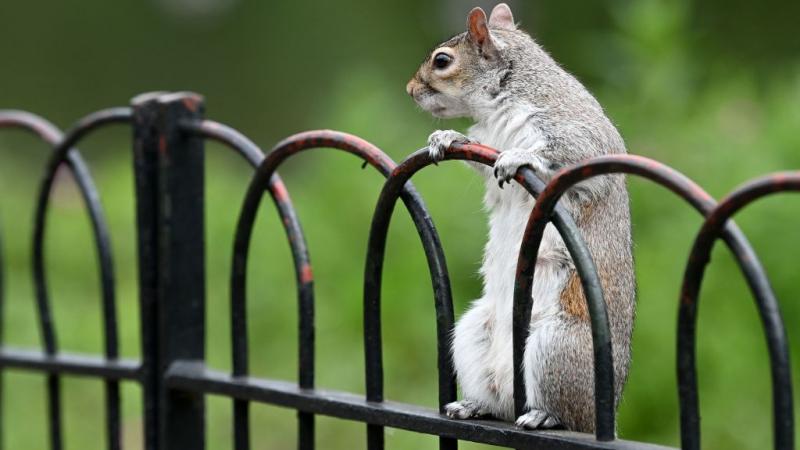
168 166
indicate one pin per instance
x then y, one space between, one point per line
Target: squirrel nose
410 87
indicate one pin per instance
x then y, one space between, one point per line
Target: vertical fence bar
145 139
170 214
181 290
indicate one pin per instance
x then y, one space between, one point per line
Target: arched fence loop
305 286
746 257
60 154
63 151
53 137
168 148
377 245
717 223
373 156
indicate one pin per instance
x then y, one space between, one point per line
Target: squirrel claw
537 419
439 141
464 409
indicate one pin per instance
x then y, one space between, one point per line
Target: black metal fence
168 134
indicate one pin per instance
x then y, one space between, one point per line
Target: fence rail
168 134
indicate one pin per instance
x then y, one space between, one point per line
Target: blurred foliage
711 88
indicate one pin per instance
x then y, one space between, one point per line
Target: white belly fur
482 344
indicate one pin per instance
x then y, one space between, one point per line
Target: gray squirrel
538 115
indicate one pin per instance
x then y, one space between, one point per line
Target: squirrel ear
501 17
479 31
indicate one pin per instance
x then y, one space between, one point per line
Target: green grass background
711 89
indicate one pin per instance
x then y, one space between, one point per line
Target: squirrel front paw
537 419
509 161
440 140
464 409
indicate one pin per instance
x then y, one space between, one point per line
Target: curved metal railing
167 123
63 152
377 244
717 224
305 285
373 156
752 268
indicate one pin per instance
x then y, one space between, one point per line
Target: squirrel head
470 69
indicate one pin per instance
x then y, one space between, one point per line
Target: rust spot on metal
280 193
190 103
306 276
698 192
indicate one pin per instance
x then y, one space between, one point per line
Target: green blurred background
711 88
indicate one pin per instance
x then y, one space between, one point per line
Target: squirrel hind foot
464 409
537 419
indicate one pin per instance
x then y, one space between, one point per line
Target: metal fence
168 135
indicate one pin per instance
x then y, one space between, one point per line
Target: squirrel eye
442 60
